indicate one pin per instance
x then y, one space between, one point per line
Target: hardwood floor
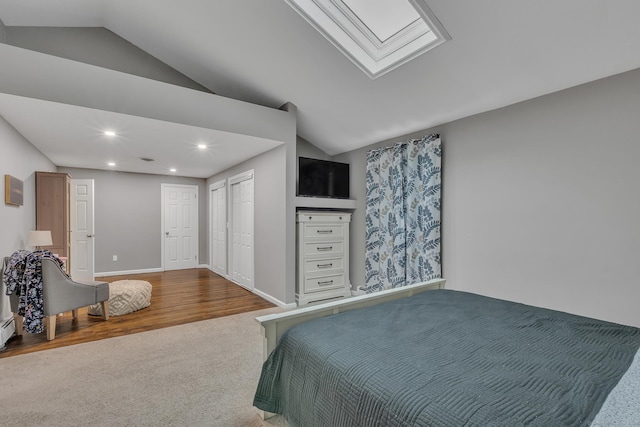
177 297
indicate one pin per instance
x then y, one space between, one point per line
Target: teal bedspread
446 358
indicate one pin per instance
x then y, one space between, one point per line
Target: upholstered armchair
61 294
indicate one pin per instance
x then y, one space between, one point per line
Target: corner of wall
305 148
290 205
3 32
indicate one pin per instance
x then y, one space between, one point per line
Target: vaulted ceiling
262 51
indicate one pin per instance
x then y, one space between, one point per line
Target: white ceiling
501 52
73 136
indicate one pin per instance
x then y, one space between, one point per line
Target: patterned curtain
403 214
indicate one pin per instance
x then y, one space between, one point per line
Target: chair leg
105 309
18 322
75 313
51 327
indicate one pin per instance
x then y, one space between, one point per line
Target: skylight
377 35
384 17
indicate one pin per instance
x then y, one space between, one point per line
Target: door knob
90 235
166 233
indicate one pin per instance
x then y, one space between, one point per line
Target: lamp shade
39 238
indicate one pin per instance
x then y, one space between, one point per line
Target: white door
218 197
82 230
180 226
242 229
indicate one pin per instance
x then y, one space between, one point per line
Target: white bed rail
274 325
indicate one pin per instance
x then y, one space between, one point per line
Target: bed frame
274 325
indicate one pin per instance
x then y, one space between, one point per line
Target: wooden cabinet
323 256
53 192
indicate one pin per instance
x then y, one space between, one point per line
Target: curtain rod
430 136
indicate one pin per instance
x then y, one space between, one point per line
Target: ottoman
125 296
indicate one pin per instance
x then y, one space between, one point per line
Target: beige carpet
200 374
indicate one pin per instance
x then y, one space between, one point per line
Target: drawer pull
326 282
325 265
324 231
324 248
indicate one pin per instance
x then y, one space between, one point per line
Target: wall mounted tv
322 178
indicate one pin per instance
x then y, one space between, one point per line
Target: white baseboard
125 272
274 300
146 270
226 276
355 291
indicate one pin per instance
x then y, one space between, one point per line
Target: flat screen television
322 178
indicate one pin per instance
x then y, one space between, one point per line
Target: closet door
218 198
242 229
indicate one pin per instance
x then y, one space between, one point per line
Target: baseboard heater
7 330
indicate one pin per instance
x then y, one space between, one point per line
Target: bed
447 358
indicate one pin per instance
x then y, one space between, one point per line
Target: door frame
163 187
216 186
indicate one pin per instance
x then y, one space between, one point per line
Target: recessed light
111 164
173 170
202 146
109 133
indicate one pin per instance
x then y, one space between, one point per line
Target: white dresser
323 256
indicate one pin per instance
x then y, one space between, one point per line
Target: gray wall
289 216
540 201
21 160
306 149
96 46
274 212
270 242
127 218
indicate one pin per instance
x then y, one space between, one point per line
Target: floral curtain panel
403 214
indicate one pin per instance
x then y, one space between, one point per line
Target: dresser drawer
323 283
311 217
322 265
318 230
323 248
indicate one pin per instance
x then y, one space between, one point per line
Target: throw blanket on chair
23 276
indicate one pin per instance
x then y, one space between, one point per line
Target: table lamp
39 238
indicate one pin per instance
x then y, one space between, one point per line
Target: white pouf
125 296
